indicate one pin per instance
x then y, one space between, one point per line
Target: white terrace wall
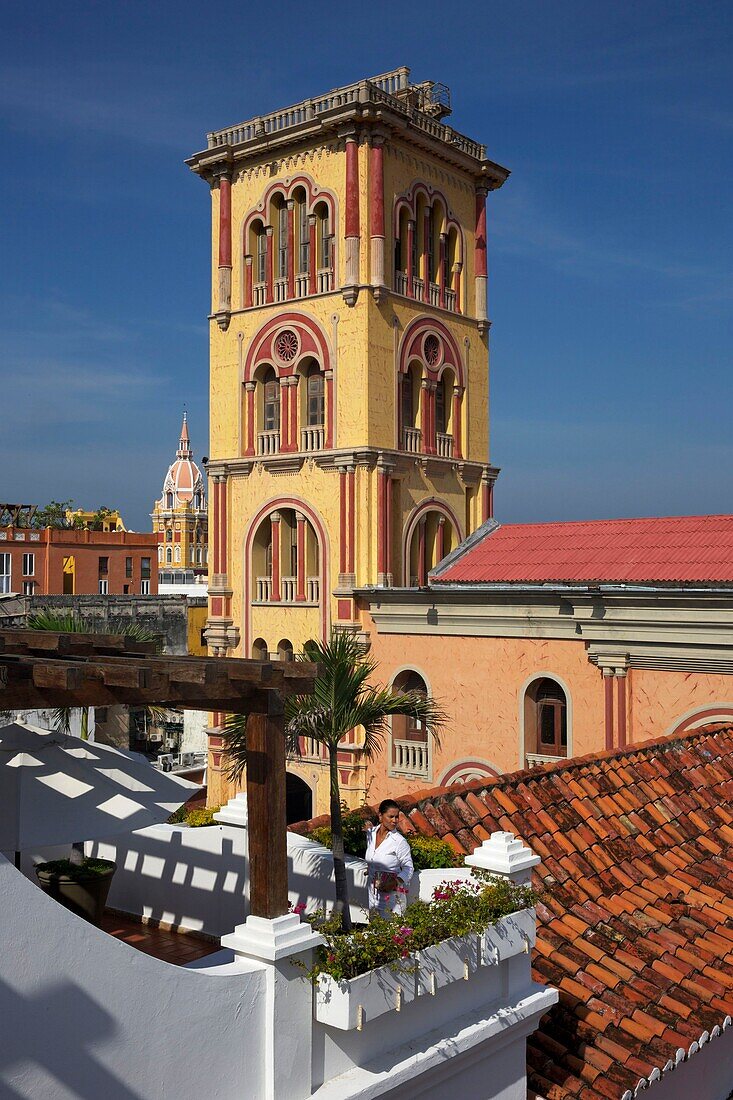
84 1015
198 878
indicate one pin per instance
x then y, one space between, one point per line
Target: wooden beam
76 644
267 821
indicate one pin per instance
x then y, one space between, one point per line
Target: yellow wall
364 339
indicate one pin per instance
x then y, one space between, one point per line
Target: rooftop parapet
389 98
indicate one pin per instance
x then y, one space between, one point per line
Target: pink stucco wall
479 682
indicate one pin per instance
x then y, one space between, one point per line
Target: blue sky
611 289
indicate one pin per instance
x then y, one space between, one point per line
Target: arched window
316 400
178 555
440 417
546 719
285 649
410 747
301 211
169 500
169 535
272 402
169 555
325 259
160 555
259 650
261 254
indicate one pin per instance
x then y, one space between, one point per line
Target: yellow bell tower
349 361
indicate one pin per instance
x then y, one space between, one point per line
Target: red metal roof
674 549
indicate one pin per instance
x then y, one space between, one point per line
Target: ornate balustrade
312 439
411 440
411 757
444 445
268 443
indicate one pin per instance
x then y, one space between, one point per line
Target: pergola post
267 828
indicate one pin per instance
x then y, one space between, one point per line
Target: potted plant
81 887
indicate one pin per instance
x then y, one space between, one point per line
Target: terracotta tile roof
672 550
635 922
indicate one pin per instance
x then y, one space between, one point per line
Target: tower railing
268 443
387 89
312 439
313 589
264 589
444 444
288 586
411 440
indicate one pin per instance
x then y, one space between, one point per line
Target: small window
144 588
261 256
103 567
282 251
546 719
29 588
29 565
272 402
104 588
125 589
169 500
169 535
128 567
304 250
316 398
169 555
144 568
204 643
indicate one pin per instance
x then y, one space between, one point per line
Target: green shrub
90 867
426 851
178 816
196 819
457 909
429 851
354 835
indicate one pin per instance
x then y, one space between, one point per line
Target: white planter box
509 936
424 882
352 1004
446 962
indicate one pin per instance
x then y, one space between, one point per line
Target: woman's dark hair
387 804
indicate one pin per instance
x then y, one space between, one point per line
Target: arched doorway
546 721
298 799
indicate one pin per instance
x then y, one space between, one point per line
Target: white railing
418 286
311 439
264 589
449 297
312 589
259 294
411 440
268 443
287 589
385 89
325 281
444 444
535 759
411 757
434 292
281 290
400 282
301 284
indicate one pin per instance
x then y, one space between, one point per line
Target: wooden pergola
40 669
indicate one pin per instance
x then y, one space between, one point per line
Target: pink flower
299 908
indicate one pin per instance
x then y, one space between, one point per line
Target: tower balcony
312 438
288 591
412 440
268 443
444 445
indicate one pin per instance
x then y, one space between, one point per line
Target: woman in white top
389 862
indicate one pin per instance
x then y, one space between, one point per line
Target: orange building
55 561
545 641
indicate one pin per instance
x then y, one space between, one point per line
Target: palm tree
342 701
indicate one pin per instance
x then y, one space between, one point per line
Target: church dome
184 483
